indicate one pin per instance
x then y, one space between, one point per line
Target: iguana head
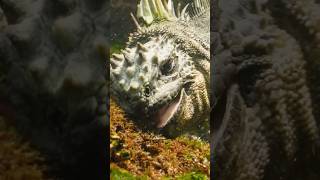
151 77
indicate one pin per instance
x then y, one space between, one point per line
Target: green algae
116 46
120 174
154 156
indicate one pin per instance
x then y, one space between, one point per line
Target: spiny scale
118 57
134 85
150 10
115 61
145 68
126 54
143 57
142 47
198 7
133 73
113 64
130 71
155 60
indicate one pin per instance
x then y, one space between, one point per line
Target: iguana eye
168 67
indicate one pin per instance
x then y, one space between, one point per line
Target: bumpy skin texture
162 64
53 60
265 99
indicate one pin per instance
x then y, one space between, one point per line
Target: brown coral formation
144 153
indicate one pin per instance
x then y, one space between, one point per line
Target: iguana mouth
167 112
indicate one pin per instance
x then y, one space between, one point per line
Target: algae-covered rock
148 154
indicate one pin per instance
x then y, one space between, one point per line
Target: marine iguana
262 109
265 112
52 59
163 73
255 134
264 89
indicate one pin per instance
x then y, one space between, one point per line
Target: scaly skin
266 109
52 57
142 86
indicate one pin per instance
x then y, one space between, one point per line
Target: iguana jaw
167 112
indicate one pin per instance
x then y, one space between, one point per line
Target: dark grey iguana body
52 59
266 101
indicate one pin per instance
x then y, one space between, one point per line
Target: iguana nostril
147 91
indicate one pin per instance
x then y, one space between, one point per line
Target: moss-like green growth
193 176
120 174
154 156
116 46
195 143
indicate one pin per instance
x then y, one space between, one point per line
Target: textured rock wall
121 23
53 58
